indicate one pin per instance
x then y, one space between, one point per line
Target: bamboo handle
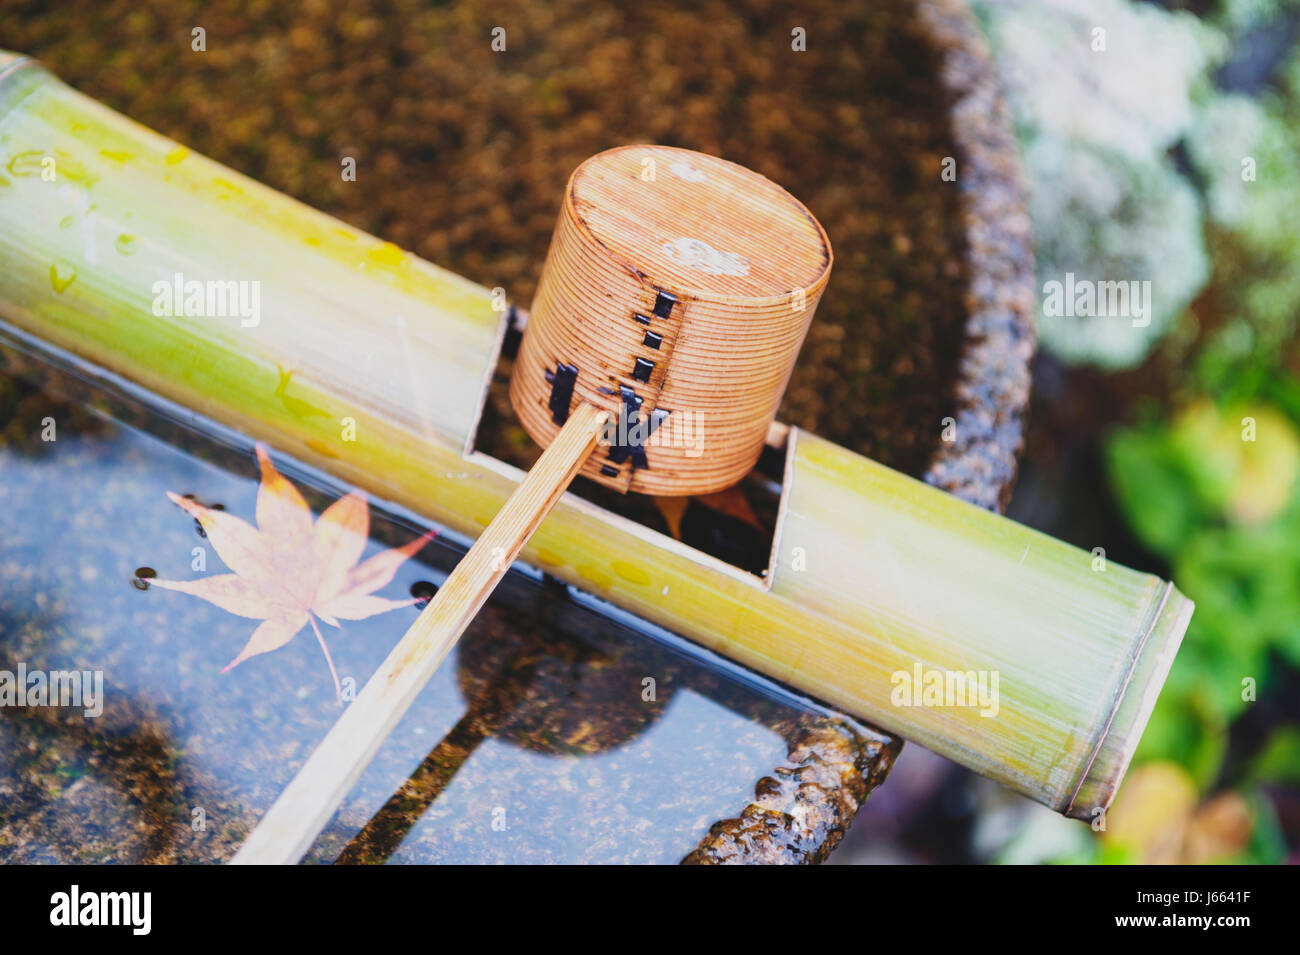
306 804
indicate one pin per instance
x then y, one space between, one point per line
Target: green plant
1214 492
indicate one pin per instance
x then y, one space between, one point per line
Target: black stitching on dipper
562 381
664 303
628 419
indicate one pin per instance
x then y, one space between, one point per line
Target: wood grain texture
746 263
306 804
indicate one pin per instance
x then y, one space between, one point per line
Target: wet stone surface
535 742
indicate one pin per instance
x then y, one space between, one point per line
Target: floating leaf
731 502
673 510
288 572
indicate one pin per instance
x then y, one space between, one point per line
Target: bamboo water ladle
672 305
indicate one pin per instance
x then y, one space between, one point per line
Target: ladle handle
307 803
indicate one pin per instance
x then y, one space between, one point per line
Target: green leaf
1279 760
1188 728
1152 490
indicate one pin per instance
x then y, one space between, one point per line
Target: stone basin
536 744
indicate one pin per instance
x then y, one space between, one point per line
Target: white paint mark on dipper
684 170
696 254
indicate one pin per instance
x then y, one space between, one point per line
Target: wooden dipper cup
676 294
672 305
